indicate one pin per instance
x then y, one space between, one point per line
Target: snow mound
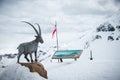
18 72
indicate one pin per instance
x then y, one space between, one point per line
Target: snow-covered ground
104 66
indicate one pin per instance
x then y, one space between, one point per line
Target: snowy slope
105 63
104 66
18 72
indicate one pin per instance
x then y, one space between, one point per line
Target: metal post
56 36
91 58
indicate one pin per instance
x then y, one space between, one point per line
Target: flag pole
56 35
57 40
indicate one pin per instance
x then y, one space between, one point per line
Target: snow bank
18 72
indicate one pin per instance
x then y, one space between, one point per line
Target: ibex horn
39 28
32 26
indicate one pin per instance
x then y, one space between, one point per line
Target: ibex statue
30 47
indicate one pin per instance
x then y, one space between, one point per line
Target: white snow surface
18 72
104 66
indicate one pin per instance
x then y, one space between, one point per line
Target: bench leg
75 59
61 60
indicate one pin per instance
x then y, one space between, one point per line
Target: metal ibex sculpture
30 47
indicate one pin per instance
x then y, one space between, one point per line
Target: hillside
104 66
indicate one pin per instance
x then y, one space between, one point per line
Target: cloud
90 7
71 16
68 13
12 14
108 4
117 3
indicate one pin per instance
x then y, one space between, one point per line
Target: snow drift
18 72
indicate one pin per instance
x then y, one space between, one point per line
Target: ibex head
38 37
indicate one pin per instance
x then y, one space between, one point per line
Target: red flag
54 30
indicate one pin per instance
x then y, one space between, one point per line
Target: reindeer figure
30 47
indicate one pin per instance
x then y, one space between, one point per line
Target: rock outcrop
36 67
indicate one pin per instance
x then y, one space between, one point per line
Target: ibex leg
31 57
26 57
19 57
36 56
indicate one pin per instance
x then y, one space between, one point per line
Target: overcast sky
75 14
71 16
